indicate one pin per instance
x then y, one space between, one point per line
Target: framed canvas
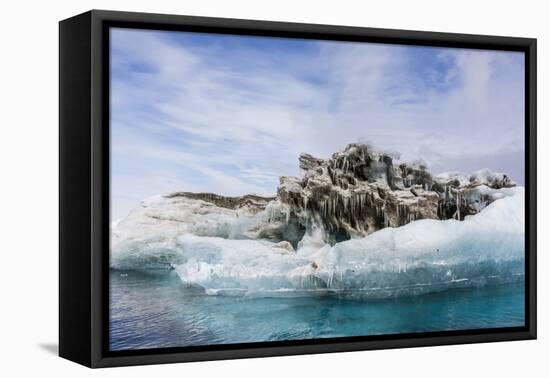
235 188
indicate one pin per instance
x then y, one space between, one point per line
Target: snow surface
462 178
485 176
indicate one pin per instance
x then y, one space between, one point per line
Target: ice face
231 266
421 256
489 245
147 237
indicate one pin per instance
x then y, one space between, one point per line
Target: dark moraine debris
254 202
359 190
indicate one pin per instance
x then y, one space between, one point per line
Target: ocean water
155 310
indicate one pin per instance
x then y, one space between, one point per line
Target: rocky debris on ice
359 191
249 204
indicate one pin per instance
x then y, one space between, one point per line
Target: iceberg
221 254
357 223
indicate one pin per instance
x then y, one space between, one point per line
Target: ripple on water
156 310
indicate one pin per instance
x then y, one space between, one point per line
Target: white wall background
29 186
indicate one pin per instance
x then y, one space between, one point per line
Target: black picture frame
84 187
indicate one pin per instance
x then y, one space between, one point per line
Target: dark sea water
154 310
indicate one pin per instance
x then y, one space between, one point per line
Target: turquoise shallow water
154 310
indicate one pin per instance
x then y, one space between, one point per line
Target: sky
231 114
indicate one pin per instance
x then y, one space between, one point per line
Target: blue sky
230 114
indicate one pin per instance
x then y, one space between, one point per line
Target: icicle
398 214
458 205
